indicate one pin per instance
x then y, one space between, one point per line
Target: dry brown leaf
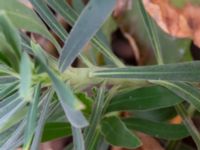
134 46
183 23
121 6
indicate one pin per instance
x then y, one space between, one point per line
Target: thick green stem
80 78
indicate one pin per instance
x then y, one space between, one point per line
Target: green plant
43 98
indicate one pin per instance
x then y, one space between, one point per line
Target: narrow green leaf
188 71
78 5
78 140
67 99
95 117
9 89
152 32
43 116
54 130
116 133
9 99
10 33
25 77
184 91
13 116
14 137
5 69
8 55
11 105
7 79
63 8
86 100
158 129
48 17
91 19
146 98
32 118
28 19
70 15
163 114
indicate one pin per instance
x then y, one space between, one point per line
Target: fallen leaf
179 22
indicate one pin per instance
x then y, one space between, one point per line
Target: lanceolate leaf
95 117
12 117
185 91
32 118
8 100
157 129
152 32
88 23
42 8
43 116
78 5
14 137
78 140
64 9
188 71
116 133
6 50
24 18
7 79
55 130
70 15
8 90
67 99
25 76
10 33
11 105
147 98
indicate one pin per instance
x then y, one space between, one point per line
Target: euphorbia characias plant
42 97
